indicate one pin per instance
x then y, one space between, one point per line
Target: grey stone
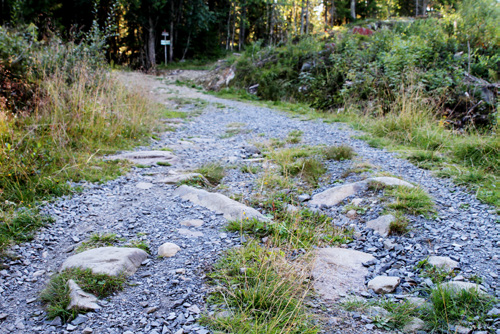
335 195
112 261
384 284
144 185
337 271
146 157
189 233
79 299
442 262
192 223
458 286
219 203
414 325
381 225
176 178
87 330
168 249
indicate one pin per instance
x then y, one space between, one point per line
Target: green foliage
251 169
56 295
261 292
338 153
294 137
414 200
436 274
213 172
301 228
97 240
18 226
457 306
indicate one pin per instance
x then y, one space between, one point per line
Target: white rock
168 249
442 262
192 223
457 286
356 201
391 181
384 284
335 195
189 233
338 270
194 309
381 225
108 260
79 299
351 214
87 330
176 178
414 325
377 311
219 203
146 157
144 185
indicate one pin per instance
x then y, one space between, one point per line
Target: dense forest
198 28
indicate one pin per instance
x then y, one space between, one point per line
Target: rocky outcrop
113 261
147 158
338 271
335 195
79 299
384 284
381 225
219 203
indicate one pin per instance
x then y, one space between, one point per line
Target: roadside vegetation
68 111
425 88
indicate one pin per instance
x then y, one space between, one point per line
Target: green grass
97 240
19 226
301 229
213 172
262 292
436 274
338 153
399 226
56 295
414 201
294 137
464 307
250 169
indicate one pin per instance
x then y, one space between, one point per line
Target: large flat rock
112 261
381 225
176 178
219 203
335 195
147 157
338 271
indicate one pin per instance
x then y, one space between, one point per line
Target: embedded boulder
113 261
384 284
219 203
79 299
442 262
338 271
335 195
147 158
168 249
176 178
381 225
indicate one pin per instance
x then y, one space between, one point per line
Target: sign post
165 42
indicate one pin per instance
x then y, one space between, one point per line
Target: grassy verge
78 117
56 294
259 291
470 158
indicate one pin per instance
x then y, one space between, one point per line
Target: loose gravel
167 295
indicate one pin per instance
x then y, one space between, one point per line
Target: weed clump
338 153
414 200
97 240
213 172
261 291
56 295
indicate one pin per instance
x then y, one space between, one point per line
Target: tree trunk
333 13
171 54
353 9
416 8
424 7
307 17
151 57
302 18
242 26
234 28
228 36
187 46
325 6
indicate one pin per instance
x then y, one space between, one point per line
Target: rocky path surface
166 295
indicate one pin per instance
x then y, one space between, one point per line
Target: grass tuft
213 172
338 153
414 200
261 292
56 295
